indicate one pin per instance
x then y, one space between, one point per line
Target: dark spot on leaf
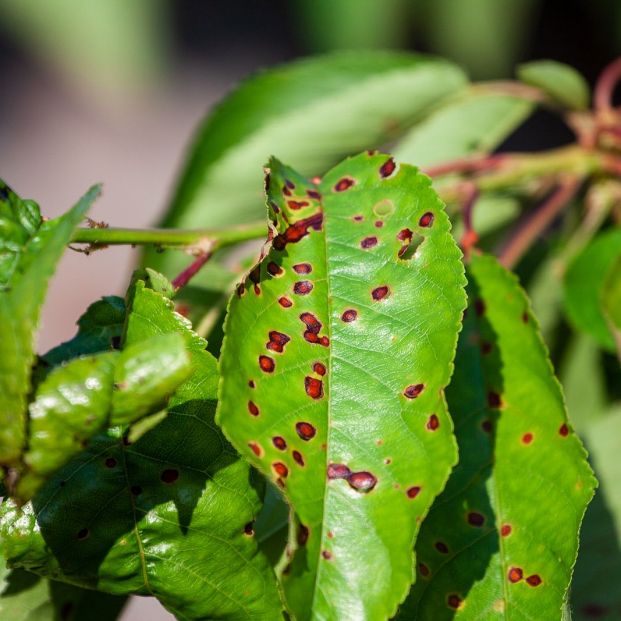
266 363
534 580
379 224
379 293
404 235
486 347
349 315
563 430
286 191
387 168
255 448
327 555
279 442
595 611
479 307
344 184
280 469
297 456
493 399
413 390
110 462
476 519
297 231
274 207
285 302
277 341
274 269
306 431
313 387
302 535
319 368
454 601
426 220
251 384
314 194
358 218
515 574
338 471
169 476
368 242
83 534
505 530
249 529
241 289
115 342
297 204
252 408
303 287
486 425
362 481
441 547
136 490
66 611
303 268
527 438
433 423
525 317
413 491
423 569
290 184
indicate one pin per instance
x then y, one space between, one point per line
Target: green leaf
595 590
337 349
611 301
168 515
475 122
99 329
312 112
20 305
501 540
88 394
27 597
584 282
560 81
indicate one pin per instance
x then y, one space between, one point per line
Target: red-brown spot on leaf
303 268
479 307
493 399
358 218
252 408
303 287
249 529
379 293
326 554
303 535
426 220
379 224
486 347
279 442
344 184
285 302
441 547
387 168
306 431
297 231
405 235
475 519
324 341
454 601
527 438
274 269
423 569
362 481
241 289
563 430
368 242
313 387
515 574
413 390
266 364
290 184
349 315
338 471
505 530
286 191
297 204
413 491
277 341
525 317
280 469
433 423
255 448
251 384
314 194
486 425
534 580
110 462
297 456
319 368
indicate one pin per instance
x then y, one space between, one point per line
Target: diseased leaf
169 515
583 286
611 301
338 346
475 122
99 329
595 590
560 81
20 304
312 112
501 540
89 394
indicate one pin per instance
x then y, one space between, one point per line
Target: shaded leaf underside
501 540
337 350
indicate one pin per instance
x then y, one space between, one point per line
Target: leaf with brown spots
351 395
511 511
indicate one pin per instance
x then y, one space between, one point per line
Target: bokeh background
111 91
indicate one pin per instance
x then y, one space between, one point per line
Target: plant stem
538 221
199 240
184 278
604 89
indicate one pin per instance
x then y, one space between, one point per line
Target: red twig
527 231
467 165
604 89
470 236
189 272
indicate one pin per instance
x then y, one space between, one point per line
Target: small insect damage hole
515 574
169 476
313 387
277 341
306 431
280 443
344 184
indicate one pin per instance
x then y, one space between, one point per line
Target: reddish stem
526 232
604 89
470 237
467 165
189 272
